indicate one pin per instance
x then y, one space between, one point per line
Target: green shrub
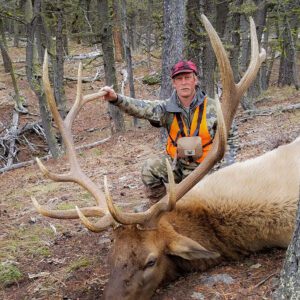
9 274
152 79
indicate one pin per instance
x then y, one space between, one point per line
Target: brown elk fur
240 209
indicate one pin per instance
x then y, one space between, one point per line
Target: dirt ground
45 258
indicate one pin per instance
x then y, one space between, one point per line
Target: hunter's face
185 85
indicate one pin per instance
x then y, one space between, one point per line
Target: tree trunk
109 63
290 275
128 55
236 41
265 67
208 57
244 43
255 89
132 29
8 66
149 32
174 24
117 32
288 64
194 29
5 58
58 74
16 27
32 67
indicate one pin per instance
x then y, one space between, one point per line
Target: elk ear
188 249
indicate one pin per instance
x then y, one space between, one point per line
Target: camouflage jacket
160 113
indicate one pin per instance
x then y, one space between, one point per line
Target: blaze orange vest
175 132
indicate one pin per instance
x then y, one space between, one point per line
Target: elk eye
150 263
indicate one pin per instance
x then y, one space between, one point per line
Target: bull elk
240 209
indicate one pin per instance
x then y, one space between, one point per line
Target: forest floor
45 258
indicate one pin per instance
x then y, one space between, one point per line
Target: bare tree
208 58
149 32
254 91
109 62
174 26
128 55
8 67
32 15
117 31
288 74
236 39
58 61
194 32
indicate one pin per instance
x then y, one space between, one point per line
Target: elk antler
75 174
152 213
232 94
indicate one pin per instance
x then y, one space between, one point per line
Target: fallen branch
250 114
70 78
12 145
93 54
264 280
31 162
84 79
97 128
36 126
91 145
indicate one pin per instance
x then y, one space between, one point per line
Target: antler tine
100 225
149 217
80 100
93 211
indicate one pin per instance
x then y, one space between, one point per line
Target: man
190 119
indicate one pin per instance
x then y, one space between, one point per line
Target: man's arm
139 108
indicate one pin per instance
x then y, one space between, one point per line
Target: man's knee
154 175
155 193
153 172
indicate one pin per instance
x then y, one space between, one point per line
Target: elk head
147 244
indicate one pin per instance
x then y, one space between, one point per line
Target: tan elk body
237 210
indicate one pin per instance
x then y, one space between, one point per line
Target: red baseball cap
183 66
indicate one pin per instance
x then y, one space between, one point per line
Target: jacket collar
173 104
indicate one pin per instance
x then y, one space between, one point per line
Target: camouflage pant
155 175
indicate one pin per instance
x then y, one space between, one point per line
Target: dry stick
267 112
70 78
13 132
264 280
31 162
280 108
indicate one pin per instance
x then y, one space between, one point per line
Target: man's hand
111 94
